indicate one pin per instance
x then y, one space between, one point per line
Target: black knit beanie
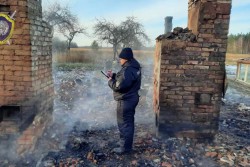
126 53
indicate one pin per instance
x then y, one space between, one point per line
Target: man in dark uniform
125 85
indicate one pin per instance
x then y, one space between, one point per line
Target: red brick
178 97
208 49
22 52
193 89
29 131
186 67
192 62
193 49
171 66
204 89
219 81
189 101
7 52
4 62
206 35
201 67
224 8
176 71
226 16
205 106
188 97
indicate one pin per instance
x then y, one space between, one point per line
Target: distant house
243 70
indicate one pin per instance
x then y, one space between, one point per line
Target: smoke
92 101
7 149
96 106
87 106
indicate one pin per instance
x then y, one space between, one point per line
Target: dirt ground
83 133
231 146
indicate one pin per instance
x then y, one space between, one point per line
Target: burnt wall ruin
189 70
26 84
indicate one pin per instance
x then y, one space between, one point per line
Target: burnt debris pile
84 144
94 148
178 33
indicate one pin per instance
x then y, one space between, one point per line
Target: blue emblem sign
6 28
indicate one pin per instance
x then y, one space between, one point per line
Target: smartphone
105 74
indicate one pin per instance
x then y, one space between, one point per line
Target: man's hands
110 74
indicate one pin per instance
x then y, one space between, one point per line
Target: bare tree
61 18
109 32
124 34
70 31
135 33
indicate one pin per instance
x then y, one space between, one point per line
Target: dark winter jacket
127 82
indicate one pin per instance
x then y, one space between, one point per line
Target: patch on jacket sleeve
117 84
138 72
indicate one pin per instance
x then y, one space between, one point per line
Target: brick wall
189 76
26 69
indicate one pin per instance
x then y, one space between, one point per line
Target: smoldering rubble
84 132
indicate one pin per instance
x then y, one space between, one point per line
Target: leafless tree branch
63 21
128 33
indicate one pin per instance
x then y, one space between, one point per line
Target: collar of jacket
126 63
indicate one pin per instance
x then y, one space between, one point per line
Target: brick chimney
189 76
26 84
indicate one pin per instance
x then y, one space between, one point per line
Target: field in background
231 59
82 55
87 55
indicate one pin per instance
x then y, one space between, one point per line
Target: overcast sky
150 13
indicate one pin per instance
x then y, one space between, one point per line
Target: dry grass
231 59
78 55
87 55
